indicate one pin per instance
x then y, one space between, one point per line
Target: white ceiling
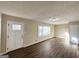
42 11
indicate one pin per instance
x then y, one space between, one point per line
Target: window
16 27
43 30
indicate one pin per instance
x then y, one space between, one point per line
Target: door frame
8 36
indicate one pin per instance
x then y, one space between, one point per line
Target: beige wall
62 31
30 31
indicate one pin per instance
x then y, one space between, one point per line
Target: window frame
16 27
43 29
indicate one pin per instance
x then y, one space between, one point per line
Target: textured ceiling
43 11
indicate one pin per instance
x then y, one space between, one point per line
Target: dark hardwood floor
52 48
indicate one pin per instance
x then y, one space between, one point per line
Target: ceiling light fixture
53 19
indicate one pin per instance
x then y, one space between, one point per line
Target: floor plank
52 48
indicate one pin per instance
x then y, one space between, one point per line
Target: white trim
3 53
26 45
36 42
7 33
0 28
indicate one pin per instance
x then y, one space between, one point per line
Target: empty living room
39 29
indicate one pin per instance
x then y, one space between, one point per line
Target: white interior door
14 35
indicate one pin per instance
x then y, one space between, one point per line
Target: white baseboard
35 42
27 45
3 53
